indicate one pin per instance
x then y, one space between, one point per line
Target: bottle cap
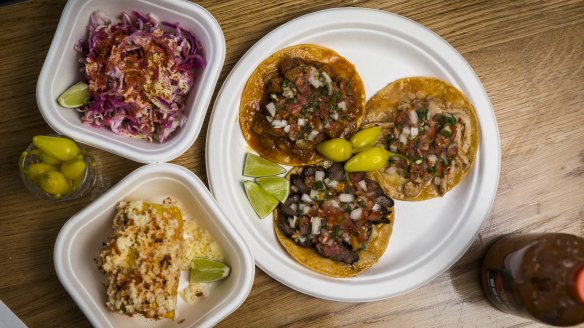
580 284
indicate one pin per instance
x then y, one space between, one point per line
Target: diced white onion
327 78
332 183
292 221
376 207
315 225
406 131
335 116
313 135
283 123
287 92
294 207
305 198
342 105
413 116
306 209
443 156
276 123
314 78
393 148
301 122
403 138
432 158
294 188
391 170
414 132
301 206
334 203
363 185
314 194
437 181
327 124
271 108
318 175
287 128
315 83
269 118
346 198
356 213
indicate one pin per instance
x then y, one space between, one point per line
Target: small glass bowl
83 187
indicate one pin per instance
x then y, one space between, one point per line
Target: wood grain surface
528 54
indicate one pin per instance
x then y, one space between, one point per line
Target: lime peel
76 96
262 202
276 186
257 166
207 270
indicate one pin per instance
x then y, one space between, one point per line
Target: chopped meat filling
304 103
429 142
333 215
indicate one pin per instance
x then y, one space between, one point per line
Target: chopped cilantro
445 132
318 184
447 119
336 96
423 114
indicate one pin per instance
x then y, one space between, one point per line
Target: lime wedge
76 96
256 166
277 186
205 270
261 201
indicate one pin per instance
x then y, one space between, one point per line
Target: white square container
81 238
61 70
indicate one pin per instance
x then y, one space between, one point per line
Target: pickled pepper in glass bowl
56 168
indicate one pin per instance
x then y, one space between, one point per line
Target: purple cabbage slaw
138 74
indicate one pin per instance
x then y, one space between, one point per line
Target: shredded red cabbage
138 74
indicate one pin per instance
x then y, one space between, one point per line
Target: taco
432 131
333 223
297 98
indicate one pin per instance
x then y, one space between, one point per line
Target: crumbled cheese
200 243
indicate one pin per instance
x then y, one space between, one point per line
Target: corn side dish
143 258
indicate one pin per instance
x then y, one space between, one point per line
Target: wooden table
528 54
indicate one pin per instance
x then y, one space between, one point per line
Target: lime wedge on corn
261 201
276 186
206 270
76 96
256 166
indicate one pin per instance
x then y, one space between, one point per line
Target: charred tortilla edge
310 259
382 106
254 89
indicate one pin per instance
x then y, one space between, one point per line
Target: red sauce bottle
537 276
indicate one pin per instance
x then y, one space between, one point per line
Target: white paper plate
428 236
